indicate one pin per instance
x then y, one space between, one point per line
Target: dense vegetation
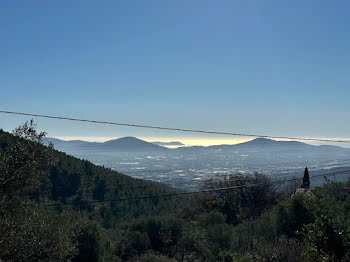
54 207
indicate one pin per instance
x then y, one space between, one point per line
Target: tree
306 179
149 257
88 244
28 231
100 190
241 202
23 164
328 237
28 131
292 216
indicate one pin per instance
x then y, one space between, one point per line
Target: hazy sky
269 67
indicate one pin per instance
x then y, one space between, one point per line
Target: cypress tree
306 179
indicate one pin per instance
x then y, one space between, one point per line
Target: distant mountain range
189 165
262 146
135 144
120 144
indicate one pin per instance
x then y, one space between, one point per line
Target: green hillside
83 186
54 207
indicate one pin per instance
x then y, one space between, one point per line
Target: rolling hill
89 187
120 144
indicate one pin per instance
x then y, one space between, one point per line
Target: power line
200 191
172 128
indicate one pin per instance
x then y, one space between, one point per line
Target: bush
292 215
282 250
328 237
163 231
149 257
242 203
29 232
193 245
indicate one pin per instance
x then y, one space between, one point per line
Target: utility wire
201 191
172 128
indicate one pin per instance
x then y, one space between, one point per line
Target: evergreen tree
306 179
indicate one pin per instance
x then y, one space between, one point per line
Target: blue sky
269 67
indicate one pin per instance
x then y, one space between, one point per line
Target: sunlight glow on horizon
187 141
196 141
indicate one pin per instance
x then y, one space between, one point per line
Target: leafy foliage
25 226
243 202
328 237
54 207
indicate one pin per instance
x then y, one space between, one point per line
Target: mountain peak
130 142
127 138
260 141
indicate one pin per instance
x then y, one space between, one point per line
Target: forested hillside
86 186
54 207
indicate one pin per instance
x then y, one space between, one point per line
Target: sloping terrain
88 187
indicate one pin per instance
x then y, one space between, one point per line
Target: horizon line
186 141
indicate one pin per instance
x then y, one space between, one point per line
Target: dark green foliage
29 170
327 238
100 190
71 180
149 257
22 164
242 203
306 179
163 231
194 245
28 231
139 241
98 183
213 218
219 233
63 184
292 216
282 250
245 224
316 226
88 244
